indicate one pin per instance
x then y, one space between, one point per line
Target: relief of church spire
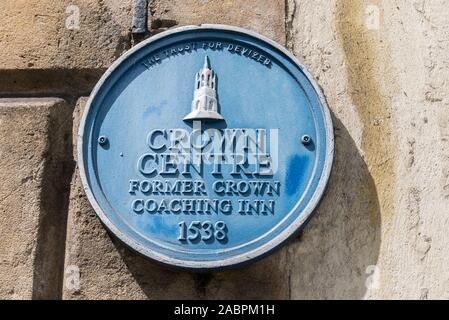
205 103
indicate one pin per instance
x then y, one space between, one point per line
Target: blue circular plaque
205 147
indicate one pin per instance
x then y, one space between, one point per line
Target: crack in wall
202 281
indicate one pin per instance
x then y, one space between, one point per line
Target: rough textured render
34 143
381 229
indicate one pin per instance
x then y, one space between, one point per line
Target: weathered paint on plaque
205 147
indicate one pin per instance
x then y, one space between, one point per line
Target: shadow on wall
54 194
336 255
265 279
329 260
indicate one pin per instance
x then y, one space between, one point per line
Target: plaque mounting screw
102 140
306 140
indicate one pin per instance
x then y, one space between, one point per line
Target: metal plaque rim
275 242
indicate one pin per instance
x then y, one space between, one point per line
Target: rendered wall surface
381 228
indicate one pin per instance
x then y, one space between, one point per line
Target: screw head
102 140
306 140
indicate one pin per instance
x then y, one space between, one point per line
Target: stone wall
380 231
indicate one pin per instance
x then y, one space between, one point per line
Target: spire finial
206 62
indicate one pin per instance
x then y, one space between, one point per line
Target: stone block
266 17
34 140
55 34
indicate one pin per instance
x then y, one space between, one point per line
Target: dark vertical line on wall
202 280
289 284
